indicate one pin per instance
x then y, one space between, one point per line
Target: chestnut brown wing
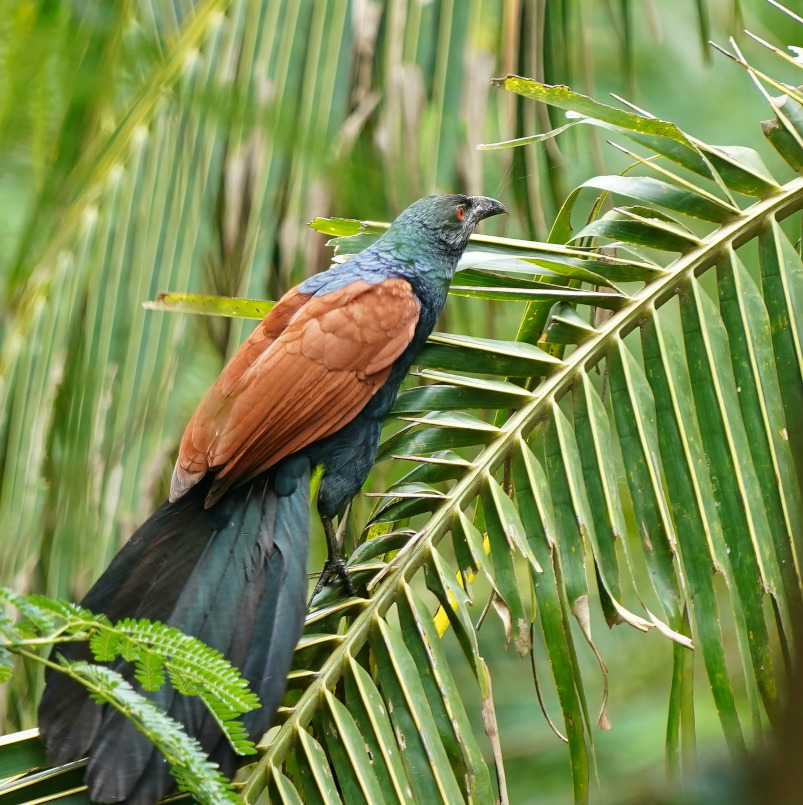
295 384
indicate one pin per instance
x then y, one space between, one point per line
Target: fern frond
188 762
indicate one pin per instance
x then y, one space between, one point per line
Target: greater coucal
224 559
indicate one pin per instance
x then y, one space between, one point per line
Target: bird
224 559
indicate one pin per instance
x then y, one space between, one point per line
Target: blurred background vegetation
151 145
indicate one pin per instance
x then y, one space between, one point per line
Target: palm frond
675 412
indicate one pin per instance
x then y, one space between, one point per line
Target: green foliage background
231 132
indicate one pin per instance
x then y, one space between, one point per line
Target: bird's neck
429 268
428 265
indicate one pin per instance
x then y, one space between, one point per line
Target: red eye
461 213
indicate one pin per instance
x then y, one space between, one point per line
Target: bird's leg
335 564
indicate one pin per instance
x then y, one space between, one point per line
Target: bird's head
444 222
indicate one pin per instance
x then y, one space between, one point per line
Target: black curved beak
485 207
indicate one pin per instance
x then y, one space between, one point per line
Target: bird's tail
233 576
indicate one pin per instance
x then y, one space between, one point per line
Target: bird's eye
461 213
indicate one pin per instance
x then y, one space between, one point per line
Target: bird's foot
334 568
335 565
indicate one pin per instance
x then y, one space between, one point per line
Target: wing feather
308 369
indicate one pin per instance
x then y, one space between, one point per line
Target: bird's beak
486 207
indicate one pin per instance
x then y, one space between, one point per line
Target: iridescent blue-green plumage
423 247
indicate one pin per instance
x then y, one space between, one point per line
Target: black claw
337 567
334 567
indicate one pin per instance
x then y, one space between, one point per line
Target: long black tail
233 576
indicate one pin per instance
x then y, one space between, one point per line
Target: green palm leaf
702 384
